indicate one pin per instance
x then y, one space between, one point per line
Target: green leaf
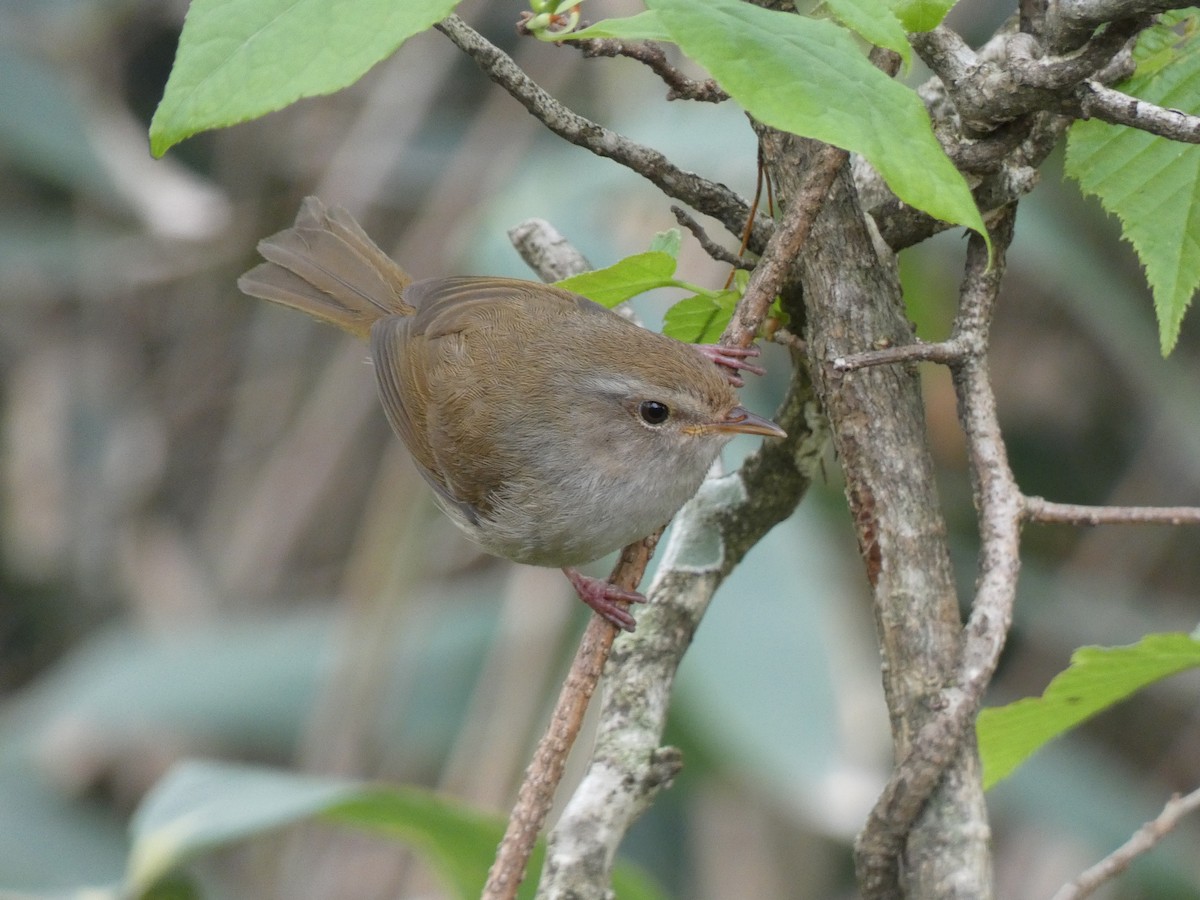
921 15
809 77
1097 678
631 276
875 21
200 806
1159 46
700 319
1150 184
643 26
240 59
668 242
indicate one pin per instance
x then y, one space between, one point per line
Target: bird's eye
653 412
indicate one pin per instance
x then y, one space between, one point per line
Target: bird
551 430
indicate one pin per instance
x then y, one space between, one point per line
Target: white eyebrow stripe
619 387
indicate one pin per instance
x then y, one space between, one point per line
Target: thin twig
1047 512
651 55
781 250
536 794
760 177
1143 840
707 196
946 352
707 244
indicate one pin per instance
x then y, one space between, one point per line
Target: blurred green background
211 545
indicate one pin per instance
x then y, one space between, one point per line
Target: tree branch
707 196
851 300
1144 839
946 736
1031 68
901 226
1095 101
707 244
948 352
544 249
1035 509
651 55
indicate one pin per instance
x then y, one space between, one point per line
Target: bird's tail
326 266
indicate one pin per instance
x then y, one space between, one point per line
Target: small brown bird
551 430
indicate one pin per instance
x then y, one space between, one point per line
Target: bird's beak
741 421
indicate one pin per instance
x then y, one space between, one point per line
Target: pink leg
604 598
733 359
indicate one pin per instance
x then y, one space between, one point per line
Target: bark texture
852 302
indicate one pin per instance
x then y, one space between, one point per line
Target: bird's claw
733 359
605 598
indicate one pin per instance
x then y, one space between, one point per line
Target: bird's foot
733 359
606 599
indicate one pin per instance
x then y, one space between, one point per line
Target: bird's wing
405 389
439 371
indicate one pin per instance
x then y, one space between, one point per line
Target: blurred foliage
212 546
200 806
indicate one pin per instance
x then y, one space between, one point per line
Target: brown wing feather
404 389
